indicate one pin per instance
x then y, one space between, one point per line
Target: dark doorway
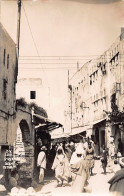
96 141
102 138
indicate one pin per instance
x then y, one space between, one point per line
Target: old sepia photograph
61 97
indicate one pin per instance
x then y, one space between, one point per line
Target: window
7 61
32 94
4 89
4 56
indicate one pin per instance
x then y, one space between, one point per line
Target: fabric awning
42 122
57 136
78 130
41 119
98 121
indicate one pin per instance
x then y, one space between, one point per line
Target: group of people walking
73 164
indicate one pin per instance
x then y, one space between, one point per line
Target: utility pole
71 110
70 94
18 27
0 10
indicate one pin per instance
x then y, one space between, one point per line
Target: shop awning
57 136
45 123
78 130
98 121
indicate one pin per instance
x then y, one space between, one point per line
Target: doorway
96 141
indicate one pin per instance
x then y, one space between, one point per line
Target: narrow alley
98 183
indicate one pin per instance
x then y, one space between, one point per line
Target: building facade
22 124
96 95
32 90
8 80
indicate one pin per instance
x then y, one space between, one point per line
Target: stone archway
22 141
25 131
23 150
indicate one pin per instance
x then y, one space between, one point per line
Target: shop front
42 137
99 135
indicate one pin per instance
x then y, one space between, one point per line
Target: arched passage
24 150
22 142
25 131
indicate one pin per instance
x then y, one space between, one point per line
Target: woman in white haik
79 171
77 156
61 167
41 162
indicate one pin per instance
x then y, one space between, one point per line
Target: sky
61 30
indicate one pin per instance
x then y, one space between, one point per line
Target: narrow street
61 95
98 183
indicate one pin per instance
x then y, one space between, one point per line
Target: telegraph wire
33 40
75 63
52 59
60 56
68 55
36 68
71 59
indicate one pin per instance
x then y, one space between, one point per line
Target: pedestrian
85 142
68 151
41 163
61 167
117 181
79 172
104 158
78 154
90 157
91 141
